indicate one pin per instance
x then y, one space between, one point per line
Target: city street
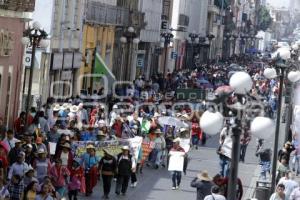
156 184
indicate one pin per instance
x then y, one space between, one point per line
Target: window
183 20
7 101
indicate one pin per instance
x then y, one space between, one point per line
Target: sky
43 13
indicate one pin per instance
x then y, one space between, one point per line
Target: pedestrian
224 150
279 194
4 193
125 165
31 191
245 140
90 164
14 152
296 158
45 193
160 146
176 175
203 183
215 194
65 155
295 195
16 187
107 168
289 184
286 152
59 175
282 169
10 139
42 165
19 167
264 155
196 132
76 176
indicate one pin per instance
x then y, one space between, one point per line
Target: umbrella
172 121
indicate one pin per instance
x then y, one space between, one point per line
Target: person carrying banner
90 163
125 165
176 174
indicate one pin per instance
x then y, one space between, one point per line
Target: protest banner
113 146
176 161
147 147
52 147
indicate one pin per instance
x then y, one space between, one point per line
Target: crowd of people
30 169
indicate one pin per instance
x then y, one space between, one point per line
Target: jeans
106 183
122 183
73 193
133 177
224 165
176 178
243 152
296 164
195 140
265 167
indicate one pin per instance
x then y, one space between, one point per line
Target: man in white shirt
295 195
289 184
215 194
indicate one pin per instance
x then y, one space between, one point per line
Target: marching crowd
30 169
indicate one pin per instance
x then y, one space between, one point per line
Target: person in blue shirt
87 134
90 164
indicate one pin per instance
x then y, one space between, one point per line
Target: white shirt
295 195
289 185
64 157
216 197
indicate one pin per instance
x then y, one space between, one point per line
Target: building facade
12 20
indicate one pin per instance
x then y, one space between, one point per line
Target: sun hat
56 107
107 151
66 145
41 151
177 140
74 109
203 176
90 146
30 169
125 148
65 106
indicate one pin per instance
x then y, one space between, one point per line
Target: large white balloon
284 53
262 127
241 82
294 76
270 73
211 123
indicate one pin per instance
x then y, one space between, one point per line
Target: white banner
135 145
176 161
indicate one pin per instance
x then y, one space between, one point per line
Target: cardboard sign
176 161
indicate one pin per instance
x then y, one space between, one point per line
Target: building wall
101 37
11 66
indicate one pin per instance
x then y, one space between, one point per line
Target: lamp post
210 37
193 38
33 37
281 68
131 38
234 42
166 39
227 44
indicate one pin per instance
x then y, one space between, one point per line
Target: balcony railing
18 5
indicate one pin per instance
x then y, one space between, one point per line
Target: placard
52 146
176 161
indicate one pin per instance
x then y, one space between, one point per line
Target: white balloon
295 47
294 76
211 123
270 73
262 127
36 25
284 53
241 82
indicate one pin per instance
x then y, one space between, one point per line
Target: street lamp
129 37
193 38
281 68
166 39
234 42
33 37
210 37
227 44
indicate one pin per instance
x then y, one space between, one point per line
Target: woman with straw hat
90 165
107 168
203 183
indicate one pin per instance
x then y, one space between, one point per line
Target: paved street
156 184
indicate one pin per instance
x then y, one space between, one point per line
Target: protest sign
176 161
147 147
52 147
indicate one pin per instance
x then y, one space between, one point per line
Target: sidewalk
250 193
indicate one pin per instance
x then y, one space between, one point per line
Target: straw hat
125 148
30 169
100 133
65 106
90 146
66 145
177 140
107 152
203 176
74 109
41 151
56 107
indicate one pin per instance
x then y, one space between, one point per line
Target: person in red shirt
20 123
118 126
3 160
196 132
76 179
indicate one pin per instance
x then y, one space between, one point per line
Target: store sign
6 42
